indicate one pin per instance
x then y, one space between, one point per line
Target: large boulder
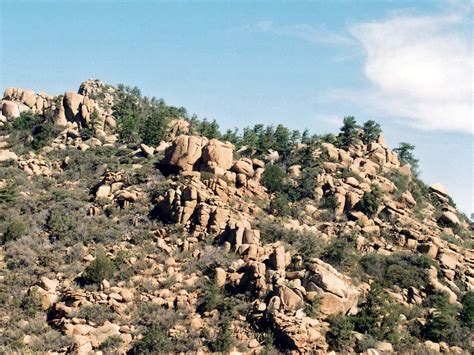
10 109
217 155
177 127
72 107
29 98
290 300
7 155
244 166
449 217
336 291
439 189
185 153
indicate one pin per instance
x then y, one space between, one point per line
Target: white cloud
304 32
421 70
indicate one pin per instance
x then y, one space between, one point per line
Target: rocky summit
129 226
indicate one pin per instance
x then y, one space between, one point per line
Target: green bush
345 173
15 230
442 327
9 193
401 269
111 344
63 224
307 245
467 312
306 185
224 339
339 335
274 178
378 316
214 298
450 239
401 182
99 269
43 134
31 303
370 201
26 121
340 253
330 202
155 340
279 205
97 313
311 307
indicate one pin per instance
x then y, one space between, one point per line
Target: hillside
128 226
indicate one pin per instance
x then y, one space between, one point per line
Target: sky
405 64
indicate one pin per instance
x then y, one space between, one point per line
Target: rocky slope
189 245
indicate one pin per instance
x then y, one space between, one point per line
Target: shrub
9 193
214 298
209 129
450 239
345 173
99 269
97 313
155 340
155 127
467 313
339 253
111 344
339 336
271 232
308 246
43 134
274 178
362 345
441 327
370 201
311 307
62 224
330 202
279 205
27 120
378 316
15 230
403 270
224 339
400 181
31 303
306 185
151 315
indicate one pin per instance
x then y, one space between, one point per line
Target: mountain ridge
261 241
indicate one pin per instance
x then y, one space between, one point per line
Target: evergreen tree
349 130
282 140
94 122
406 156
372 131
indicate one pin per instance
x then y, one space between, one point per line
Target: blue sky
406 64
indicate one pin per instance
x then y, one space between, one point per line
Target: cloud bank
421 70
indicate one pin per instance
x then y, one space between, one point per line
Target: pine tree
349 130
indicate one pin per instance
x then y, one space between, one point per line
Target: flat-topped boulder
439 189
